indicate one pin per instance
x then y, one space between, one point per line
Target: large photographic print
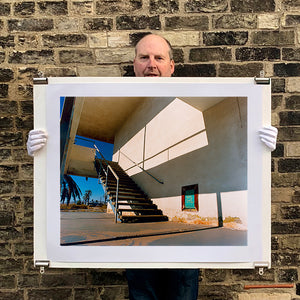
141 172
146 154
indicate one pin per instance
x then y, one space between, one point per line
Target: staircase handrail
159 181
117 178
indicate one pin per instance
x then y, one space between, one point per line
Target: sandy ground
96 228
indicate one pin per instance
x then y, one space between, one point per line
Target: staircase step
143 211
144 205
143 218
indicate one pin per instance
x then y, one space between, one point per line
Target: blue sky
91 183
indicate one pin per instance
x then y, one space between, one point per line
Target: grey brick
291 54
96 24
215 275
7 282
12 295
293 102
287 70
210 54
206 6
253 276
257 54
117 6
138 22
219 292
287 275
25 91
58 280
60 72
30 25
273 38
276 101
284 259
32 57
64 40
6 75
4 9
5 154
279 151
225 38
291 4
7 41
23 249
53 294
85 293
9 172
24 186
278 85
76 56
195 70
288 118
7 218
6 123
164 6
9 139
27 73
28 280
234 21
292 20
53 8
290 211
244 70
26 107
24 123
2 57
11 265
8 107
288 134
24 9
187 23
274 243
250 6
288 165
286 227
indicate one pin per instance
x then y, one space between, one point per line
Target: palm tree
86 196
69 189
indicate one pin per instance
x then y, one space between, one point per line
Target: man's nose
151 62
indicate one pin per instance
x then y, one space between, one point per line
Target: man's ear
172 66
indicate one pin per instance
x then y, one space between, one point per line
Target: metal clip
42 264
40 80
261 271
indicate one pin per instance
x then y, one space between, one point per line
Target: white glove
268 135
36 140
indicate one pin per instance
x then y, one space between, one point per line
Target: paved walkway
94 228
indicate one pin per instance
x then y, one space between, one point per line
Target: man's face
152 58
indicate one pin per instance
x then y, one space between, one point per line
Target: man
154 58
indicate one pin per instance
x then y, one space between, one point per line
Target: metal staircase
129 202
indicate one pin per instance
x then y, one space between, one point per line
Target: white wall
182 146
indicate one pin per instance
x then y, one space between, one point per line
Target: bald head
153 57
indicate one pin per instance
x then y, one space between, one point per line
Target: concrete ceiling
101 117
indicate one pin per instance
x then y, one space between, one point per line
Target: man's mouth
151 75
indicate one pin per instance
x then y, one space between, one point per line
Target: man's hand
268 135
36 140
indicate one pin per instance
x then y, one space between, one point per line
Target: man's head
153 57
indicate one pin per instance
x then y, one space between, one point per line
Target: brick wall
95 38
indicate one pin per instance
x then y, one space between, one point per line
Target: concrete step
143 218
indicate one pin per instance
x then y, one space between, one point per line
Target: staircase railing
159 181
105 186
